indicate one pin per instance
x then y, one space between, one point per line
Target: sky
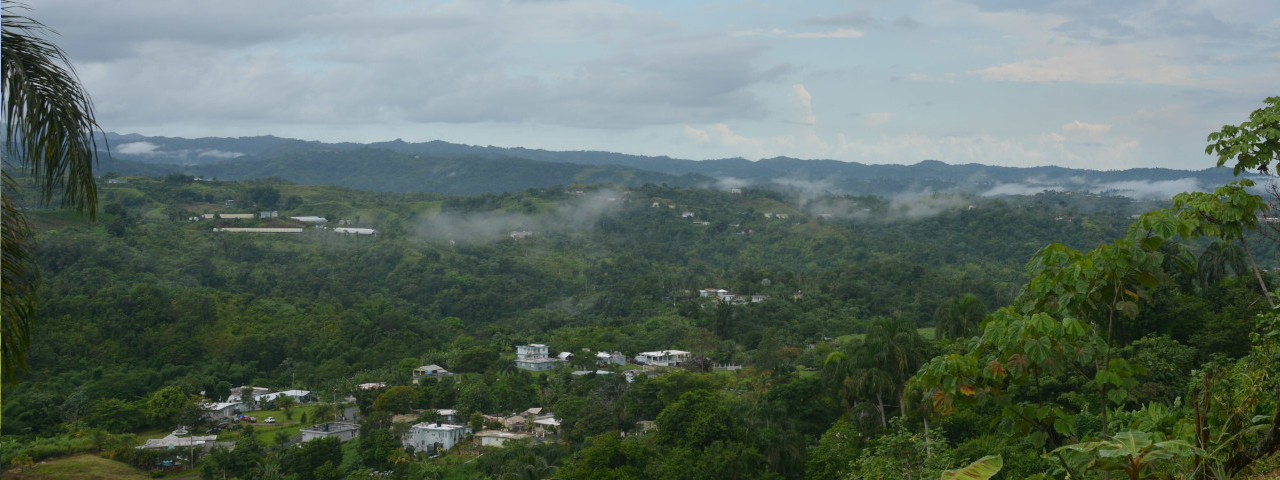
1096 84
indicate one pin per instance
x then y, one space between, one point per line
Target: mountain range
442 167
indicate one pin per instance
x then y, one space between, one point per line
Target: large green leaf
982 469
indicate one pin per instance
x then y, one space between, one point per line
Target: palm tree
875 368
49 137
892 352
959 317
1220 260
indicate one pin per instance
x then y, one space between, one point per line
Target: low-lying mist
578 214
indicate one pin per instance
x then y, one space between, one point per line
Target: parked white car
270 420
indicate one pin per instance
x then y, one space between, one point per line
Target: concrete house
433 437
615 358
343 431
448 415
173 441
426 371
496 438
535 357
663 358
214 411
356 231
300 396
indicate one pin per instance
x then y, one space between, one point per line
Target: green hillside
147 300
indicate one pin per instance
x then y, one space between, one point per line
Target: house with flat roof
497 438
447 415
426 371
343 431
355 231
434 437
616 358
300 396
663 358
173 440
214 411
535 357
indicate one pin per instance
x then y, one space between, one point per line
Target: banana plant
981 469
1136 453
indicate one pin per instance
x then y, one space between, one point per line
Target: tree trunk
1269 444
928 451
1258 274
884 423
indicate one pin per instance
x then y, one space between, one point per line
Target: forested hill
147 312
443 167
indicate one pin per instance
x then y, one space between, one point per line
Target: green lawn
267 431
926 332
83 466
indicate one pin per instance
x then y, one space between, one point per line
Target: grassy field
926 332
83 466
267 431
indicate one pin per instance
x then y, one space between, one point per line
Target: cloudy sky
1094 84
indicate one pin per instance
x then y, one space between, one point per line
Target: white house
172 441
447 415
427 436
663 358
496 438
259 230
355 231
616 358
311 219
343 431
542 426
432 370
214 411
535 357
302 396
255 392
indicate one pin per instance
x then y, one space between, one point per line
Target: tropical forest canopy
149 302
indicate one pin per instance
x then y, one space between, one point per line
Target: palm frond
48 117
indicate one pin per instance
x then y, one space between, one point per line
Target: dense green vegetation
144 309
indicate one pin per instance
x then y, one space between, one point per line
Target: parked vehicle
270 420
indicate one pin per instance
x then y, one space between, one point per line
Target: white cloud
1139 189
1094 65
137 148
590 64
802 105
575 215
1086 129
721 134
838 33
1145 190
780 33
219 154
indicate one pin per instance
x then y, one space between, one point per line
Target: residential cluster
432 437
730 297
537 358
